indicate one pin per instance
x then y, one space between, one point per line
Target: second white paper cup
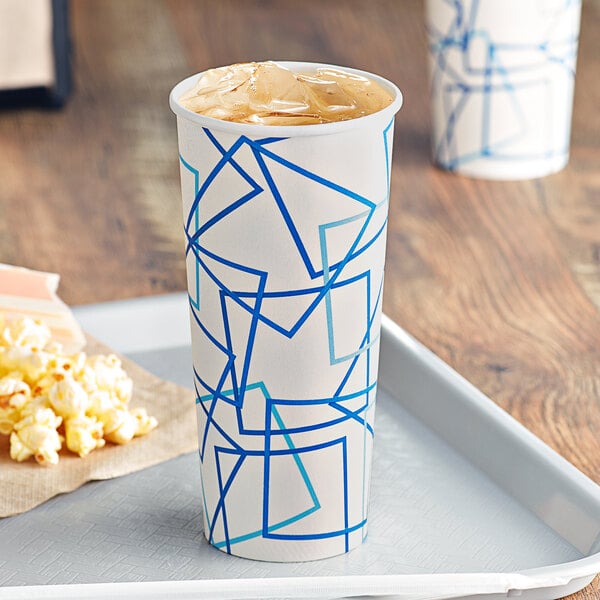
502 79
286 230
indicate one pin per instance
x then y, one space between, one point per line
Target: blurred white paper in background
26 50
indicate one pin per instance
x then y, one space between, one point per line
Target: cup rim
256 130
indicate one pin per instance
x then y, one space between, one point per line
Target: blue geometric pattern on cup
270 440
501 73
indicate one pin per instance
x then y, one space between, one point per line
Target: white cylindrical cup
285 229
502 78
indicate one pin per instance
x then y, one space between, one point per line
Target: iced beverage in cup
285 172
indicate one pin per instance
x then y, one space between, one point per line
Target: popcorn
14 393
101 402
119 426
83 434
34 405
108 374
145 423
36 435
67 397
31 362
26 333
9 415
34 293
43 389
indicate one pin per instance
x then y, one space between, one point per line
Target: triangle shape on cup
307 202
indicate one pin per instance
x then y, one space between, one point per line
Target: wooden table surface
502 280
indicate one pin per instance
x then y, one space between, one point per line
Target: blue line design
387 154
314 177
507 70
220 509
241 423
196 299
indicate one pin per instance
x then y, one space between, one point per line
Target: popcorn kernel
42 389
83 434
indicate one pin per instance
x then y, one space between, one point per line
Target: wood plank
92 192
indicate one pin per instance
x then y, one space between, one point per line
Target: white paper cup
502 79
286 229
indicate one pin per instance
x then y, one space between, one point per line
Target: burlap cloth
27 484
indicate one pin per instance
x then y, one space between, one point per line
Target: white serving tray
465 501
